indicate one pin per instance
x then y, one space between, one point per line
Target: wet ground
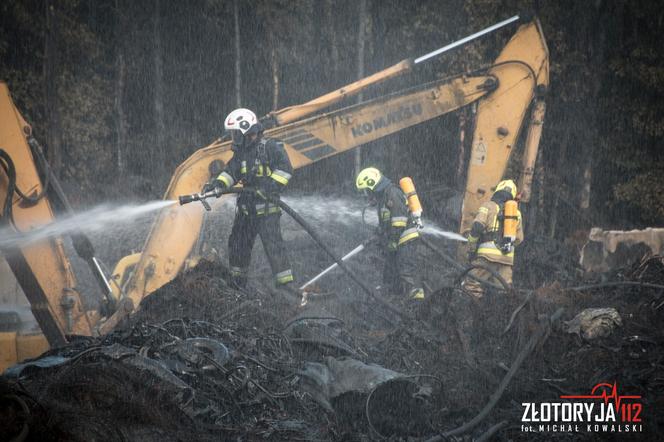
204 361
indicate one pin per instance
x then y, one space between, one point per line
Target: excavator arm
42 269
177 228
522 69
504 93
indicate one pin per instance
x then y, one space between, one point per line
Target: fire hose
216 193
466 271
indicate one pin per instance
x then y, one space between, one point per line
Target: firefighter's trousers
472 308
400 272
476 289
241 242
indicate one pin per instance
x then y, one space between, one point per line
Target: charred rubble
203 361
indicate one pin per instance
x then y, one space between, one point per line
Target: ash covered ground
203 361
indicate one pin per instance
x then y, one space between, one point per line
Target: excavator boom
507 92
298 112
522 69
42 269
504 94
306 142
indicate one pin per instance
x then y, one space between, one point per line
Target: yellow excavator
507 93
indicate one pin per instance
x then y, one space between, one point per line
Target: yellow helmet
507 185
368 179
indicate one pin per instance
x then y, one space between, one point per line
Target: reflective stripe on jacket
394 219
265 167
488 217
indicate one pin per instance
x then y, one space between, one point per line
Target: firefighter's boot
239 278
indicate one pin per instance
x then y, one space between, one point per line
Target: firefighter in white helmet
262 164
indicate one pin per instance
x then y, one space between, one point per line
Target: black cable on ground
612 284
25 411
540 335
517 310
368 417
491 431
313 318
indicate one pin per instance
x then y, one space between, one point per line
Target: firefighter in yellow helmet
490 245
398 233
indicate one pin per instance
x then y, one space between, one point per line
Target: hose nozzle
186 199
214 193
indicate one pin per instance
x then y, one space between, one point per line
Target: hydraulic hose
8 166
10 169
38 152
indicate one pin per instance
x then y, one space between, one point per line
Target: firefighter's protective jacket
265 166
395 224
486 233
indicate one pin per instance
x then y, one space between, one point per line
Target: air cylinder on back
511 220
414 204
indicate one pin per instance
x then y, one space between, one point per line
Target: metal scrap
593 323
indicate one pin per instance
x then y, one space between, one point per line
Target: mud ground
143 383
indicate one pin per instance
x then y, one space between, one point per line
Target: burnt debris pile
611 342
203 361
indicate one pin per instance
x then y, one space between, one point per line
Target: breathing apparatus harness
414 206
412 200
502 229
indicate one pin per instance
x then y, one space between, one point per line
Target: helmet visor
370 197
237 136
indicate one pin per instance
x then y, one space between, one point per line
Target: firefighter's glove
472 251
214 184
506 246
472 254
472 247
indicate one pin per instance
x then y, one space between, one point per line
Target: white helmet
240 122
240 119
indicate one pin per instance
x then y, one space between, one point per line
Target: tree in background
125 85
